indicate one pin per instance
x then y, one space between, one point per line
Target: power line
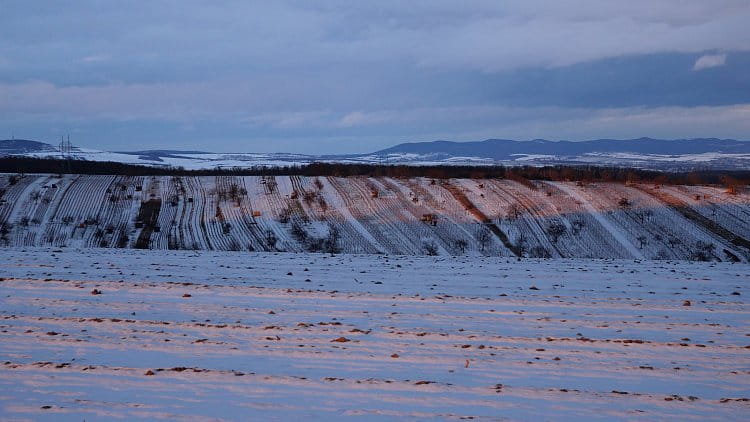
66 150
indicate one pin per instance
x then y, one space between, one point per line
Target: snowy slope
376 215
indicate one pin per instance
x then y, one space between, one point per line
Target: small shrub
430 248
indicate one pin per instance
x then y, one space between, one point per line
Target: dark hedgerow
583 174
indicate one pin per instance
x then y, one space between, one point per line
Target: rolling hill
675 155
377 215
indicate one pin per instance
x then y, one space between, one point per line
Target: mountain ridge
665 154
504 149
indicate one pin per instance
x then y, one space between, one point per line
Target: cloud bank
250 71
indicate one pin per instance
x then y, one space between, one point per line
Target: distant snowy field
201 161
223 335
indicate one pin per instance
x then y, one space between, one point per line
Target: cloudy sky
345 76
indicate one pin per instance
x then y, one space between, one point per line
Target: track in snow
210 336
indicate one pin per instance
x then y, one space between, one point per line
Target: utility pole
66 149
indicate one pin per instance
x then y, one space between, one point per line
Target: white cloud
352 119
96 58
710 60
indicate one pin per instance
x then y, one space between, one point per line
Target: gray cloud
337 69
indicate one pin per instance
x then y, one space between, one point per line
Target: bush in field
577 226
514 211
703 251
271 239
314 245
555 230
299 233
309 197
234 245
172 243
285 215
323 204
539 252
430 248
522 245
646 215
484 237
331 243
123 240
4 230
461 245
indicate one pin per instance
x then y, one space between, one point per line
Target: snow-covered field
379 215
205 160
143 335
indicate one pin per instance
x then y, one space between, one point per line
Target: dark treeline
13 164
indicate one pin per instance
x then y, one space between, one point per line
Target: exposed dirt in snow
144 335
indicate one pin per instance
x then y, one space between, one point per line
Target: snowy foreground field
142 335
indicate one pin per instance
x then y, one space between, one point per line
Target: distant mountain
661 154
23 146
505 149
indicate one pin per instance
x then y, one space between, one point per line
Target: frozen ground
222 335
362 215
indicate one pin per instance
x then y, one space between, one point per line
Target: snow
614 231
199 213
704 157
190 161
531 157
231 160
232 336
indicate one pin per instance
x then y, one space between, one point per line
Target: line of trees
584 174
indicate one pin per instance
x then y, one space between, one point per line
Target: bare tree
522 245
577 226
514 211
483 237
703 251
430 248
461 245
539 252
271 239
331 243
555 230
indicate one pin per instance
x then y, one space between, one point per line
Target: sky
348 76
